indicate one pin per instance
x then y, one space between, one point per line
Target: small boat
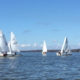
44 49
3 45
13 47
65 50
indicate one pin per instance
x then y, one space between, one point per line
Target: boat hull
58 54
44 53
3 55
11 54
64 54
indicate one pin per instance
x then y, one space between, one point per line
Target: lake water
34 66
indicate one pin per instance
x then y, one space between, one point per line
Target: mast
9 45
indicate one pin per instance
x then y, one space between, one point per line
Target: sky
34 21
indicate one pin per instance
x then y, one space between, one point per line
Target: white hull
64 54
58 54
11 54
44 53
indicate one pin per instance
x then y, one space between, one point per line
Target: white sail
10 50
65 47
13 43
44 47
9 46
3 43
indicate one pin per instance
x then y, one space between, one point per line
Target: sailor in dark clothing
59 53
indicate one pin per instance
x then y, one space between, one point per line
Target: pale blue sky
33 21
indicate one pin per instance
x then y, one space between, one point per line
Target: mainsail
13 43
44 47
3 43
65 46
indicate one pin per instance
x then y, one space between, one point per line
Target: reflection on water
34 66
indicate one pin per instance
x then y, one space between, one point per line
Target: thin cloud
55 41
78 44
41 45
56 30
35 45
44 23
25 45
26 31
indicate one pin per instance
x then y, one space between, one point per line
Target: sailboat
65 50
13 46
44 49
3 45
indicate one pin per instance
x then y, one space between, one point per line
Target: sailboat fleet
65 50
8 49
11 48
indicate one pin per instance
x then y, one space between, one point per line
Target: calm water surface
34 66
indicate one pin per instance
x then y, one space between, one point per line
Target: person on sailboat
4 54
59 53
15 53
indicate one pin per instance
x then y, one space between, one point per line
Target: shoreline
72 50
